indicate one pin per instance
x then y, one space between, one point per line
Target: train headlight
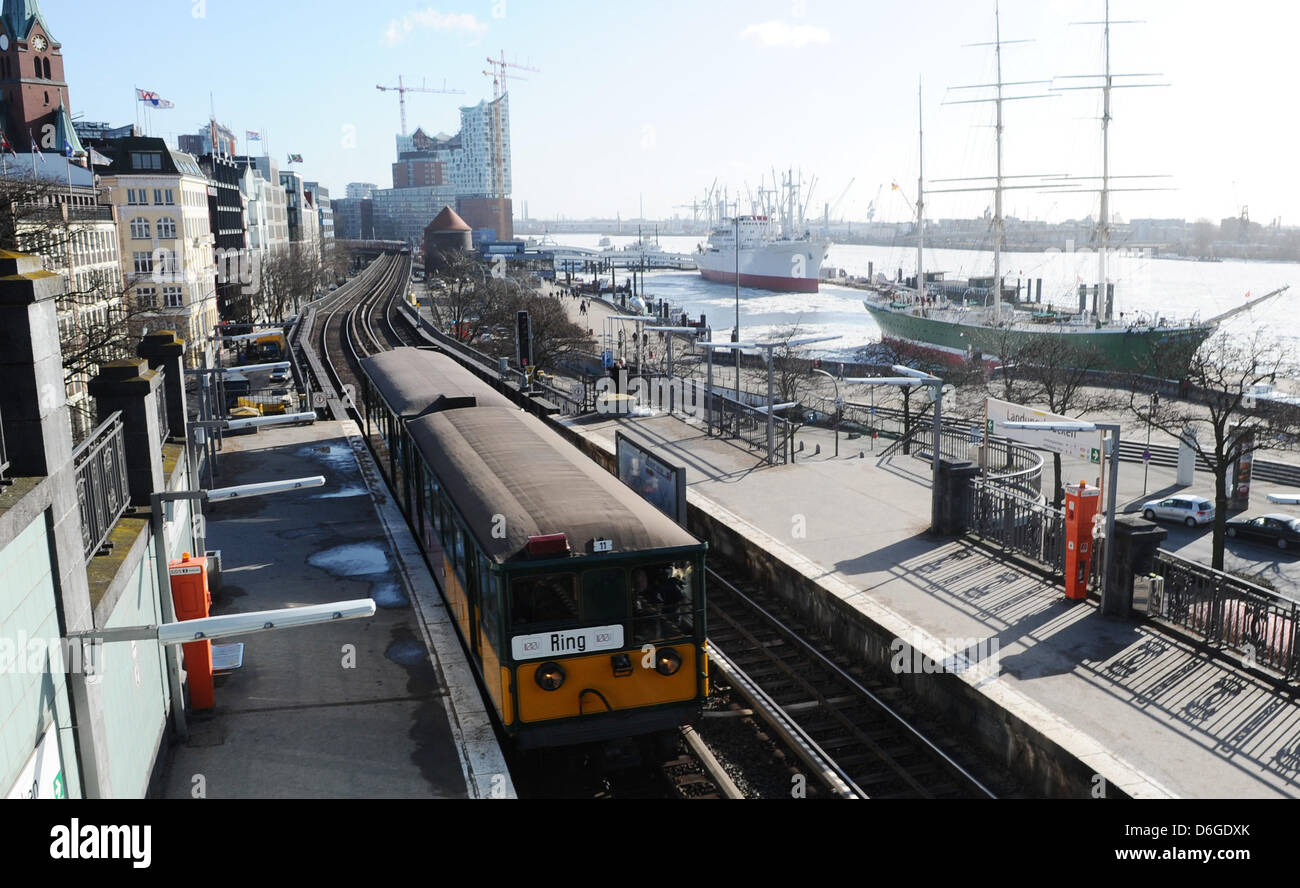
549 676
667 661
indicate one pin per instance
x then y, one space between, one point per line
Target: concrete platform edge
482 761
1059 758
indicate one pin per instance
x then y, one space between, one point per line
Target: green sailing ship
964 321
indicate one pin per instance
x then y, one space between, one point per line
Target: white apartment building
166 238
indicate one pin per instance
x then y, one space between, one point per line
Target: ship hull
787 267
1114 349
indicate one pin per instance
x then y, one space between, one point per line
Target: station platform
384 707
1144 710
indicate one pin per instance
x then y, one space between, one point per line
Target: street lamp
1107 604
838 406
907 378
1146 454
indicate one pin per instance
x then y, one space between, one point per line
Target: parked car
279 376
1278 529
1190 510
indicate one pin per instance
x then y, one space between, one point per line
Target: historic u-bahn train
581 605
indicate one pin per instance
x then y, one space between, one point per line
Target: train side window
435 503
460 551
544 599
604 596
490 602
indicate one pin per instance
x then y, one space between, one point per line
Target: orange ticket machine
189 581
1081 504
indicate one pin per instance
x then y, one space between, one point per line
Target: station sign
1085 446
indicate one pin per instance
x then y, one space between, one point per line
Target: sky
648 103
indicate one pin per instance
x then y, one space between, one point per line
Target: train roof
496 462
415 381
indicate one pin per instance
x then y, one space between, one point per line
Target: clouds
433 20
777 33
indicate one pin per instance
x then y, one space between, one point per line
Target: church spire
19 15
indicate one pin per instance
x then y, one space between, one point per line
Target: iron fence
1018 523
1228 612
99 464
164 430
4 454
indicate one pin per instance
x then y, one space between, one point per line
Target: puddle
343 492
353 559
407 652
389 595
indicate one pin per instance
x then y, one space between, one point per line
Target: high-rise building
361 190
441 170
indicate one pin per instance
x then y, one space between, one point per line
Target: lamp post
1146 454
837 406
907 378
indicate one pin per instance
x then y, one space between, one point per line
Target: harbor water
1145 287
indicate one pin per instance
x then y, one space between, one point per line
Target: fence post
166 350
130 386
33 400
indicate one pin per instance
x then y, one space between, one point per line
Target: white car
1190 510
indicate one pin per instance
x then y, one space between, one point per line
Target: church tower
33 93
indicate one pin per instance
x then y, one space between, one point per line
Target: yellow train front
582 606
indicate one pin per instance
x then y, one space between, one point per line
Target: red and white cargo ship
768 260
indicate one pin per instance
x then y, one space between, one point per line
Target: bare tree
99 316
1056 374
1219 384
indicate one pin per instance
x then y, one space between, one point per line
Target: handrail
103 494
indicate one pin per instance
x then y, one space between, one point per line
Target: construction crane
499 75
402 89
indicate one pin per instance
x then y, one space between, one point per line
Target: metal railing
1017 523
4 454
164 429
1228 612
99 464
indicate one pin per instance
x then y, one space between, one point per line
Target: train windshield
543 599
655 600
663 597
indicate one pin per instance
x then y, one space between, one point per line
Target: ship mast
999 184
1103 219
997 190
920 194
1105 305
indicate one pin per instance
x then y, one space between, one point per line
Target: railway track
842 726
345 331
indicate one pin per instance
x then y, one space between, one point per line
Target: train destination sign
566 641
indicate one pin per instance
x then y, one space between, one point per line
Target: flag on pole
152 98
1247 294
97 159
6 145
67 148
36 151
295 158
252 136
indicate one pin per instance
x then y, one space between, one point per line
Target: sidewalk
1174 721
357 709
